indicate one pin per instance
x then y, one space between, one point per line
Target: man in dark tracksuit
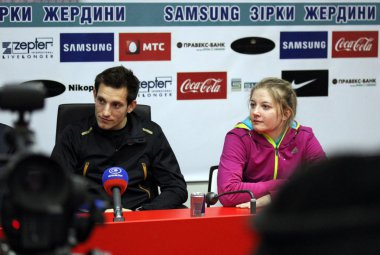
116 136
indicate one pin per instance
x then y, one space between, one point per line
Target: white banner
197 62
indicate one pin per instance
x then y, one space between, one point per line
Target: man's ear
94 93
132 106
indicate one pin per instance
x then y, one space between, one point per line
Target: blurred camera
39 201
39 205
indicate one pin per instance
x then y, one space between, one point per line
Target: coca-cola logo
201 85
361 44
355 44
208 86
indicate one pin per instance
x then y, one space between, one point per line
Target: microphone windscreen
115 177
211 198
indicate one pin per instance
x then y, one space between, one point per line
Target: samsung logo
304 45
87 47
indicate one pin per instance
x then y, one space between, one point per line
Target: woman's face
265 114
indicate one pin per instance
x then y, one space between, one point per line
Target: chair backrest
69 113
211 187
212 182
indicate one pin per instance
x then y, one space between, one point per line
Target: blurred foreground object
329 208
39 201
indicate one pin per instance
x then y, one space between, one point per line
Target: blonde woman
262 151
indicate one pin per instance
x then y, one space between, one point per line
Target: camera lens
38 182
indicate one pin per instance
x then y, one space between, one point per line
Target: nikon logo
77 87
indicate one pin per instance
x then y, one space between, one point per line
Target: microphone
212 198
115 182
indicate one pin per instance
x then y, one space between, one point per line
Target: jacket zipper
270 140
275 146
85 168
144 189
145 171
275 163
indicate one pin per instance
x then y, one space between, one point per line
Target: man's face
111 107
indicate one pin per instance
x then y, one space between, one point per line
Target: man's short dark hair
119 77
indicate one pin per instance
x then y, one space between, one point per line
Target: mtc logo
144 46
133 47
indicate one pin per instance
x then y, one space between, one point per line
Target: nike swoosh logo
300 85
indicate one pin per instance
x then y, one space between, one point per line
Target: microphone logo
115 170
115 173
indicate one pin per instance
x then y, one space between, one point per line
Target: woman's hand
260 202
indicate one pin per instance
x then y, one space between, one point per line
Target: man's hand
260 202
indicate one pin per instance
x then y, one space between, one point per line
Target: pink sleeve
230 174
314 151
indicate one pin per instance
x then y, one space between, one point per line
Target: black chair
212 179
211 176
68 113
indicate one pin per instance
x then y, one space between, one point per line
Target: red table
222 230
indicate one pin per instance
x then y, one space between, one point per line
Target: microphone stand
117 210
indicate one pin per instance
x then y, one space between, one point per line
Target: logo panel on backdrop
34 48
252 45
355 44
308 83
87 47
212 85
297 45
156 87
144 46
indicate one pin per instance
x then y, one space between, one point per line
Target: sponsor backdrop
198 61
